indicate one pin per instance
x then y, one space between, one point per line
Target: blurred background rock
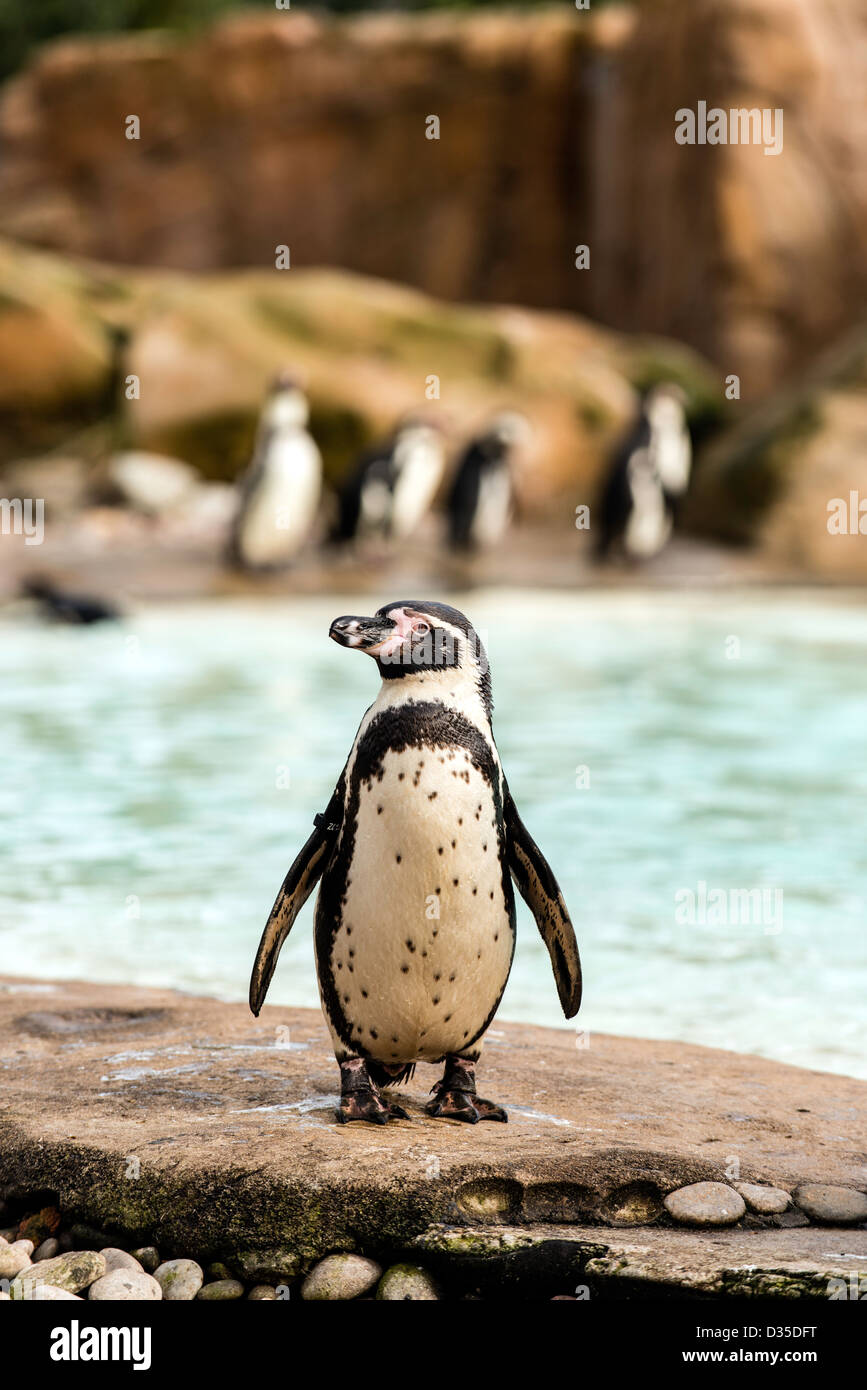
263 127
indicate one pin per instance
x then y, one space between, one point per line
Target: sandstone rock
126 1286
119 1259
705 1204
23 1247
180 1280
341 1277
221 1291
74 1271
148 1257
407 1283
828 1203
262 1293
50 1293
767 1201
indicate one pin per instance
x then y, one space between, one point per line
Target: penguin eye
420 627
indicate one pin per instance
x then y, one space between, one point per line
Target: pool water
161 775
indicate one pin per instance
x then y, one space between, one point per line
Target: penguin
480 500
392 487
414 926
78 610
279 493
649 473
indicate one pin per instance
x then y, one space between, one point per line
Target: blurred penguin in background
481 497
647 477
392 487
280 492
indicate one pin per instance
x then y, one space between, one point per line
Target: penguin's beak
368 634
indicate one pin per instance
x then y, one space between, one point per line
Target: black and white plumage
280 492
417 849
392 487
480 500
649 473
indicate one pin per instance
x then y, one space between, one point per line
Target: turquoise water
160 776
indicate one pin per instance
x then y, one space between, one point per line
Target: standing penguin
281 489
649 473
391 488
480 501
415 919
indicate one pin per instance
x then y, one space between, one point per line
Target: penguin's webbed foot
360 1099
455 1096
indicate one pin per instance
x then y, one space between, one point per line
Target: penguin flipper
296 889
541 892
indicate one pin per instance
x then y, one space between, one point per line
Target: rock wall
556 129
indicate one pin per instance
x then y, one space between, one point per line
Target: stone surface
705 1204
221 1291
73 1271
732 236
119 1259
148 1257
242 1159
126 1286
792 1263
11 1261
827 1202
767 1201
50 1293
47 1250
341 1277
405 1283
180 1280
263 1293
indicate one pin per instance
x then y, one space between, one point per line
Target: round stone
148 1257
50 1293
25 1245
119 1259
126 1286
407 1283
221 1291
47 1250
263 1293
705 1204
75 1270
341 1277
837 1206
767 1201
180 1280
12 1261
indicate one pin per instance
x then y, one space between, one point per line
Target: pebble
838 1206
221 1290
263 1293
47 1250
219 1271
26 1245
180 1280
73 1271
767 1201
148 1257
407 1283
119 1259
126 1286
705 1204
12 1261
50 1293
341 1277
4 1297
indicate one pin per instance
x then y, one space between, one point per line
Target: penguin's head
665 405
286 406
422 640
